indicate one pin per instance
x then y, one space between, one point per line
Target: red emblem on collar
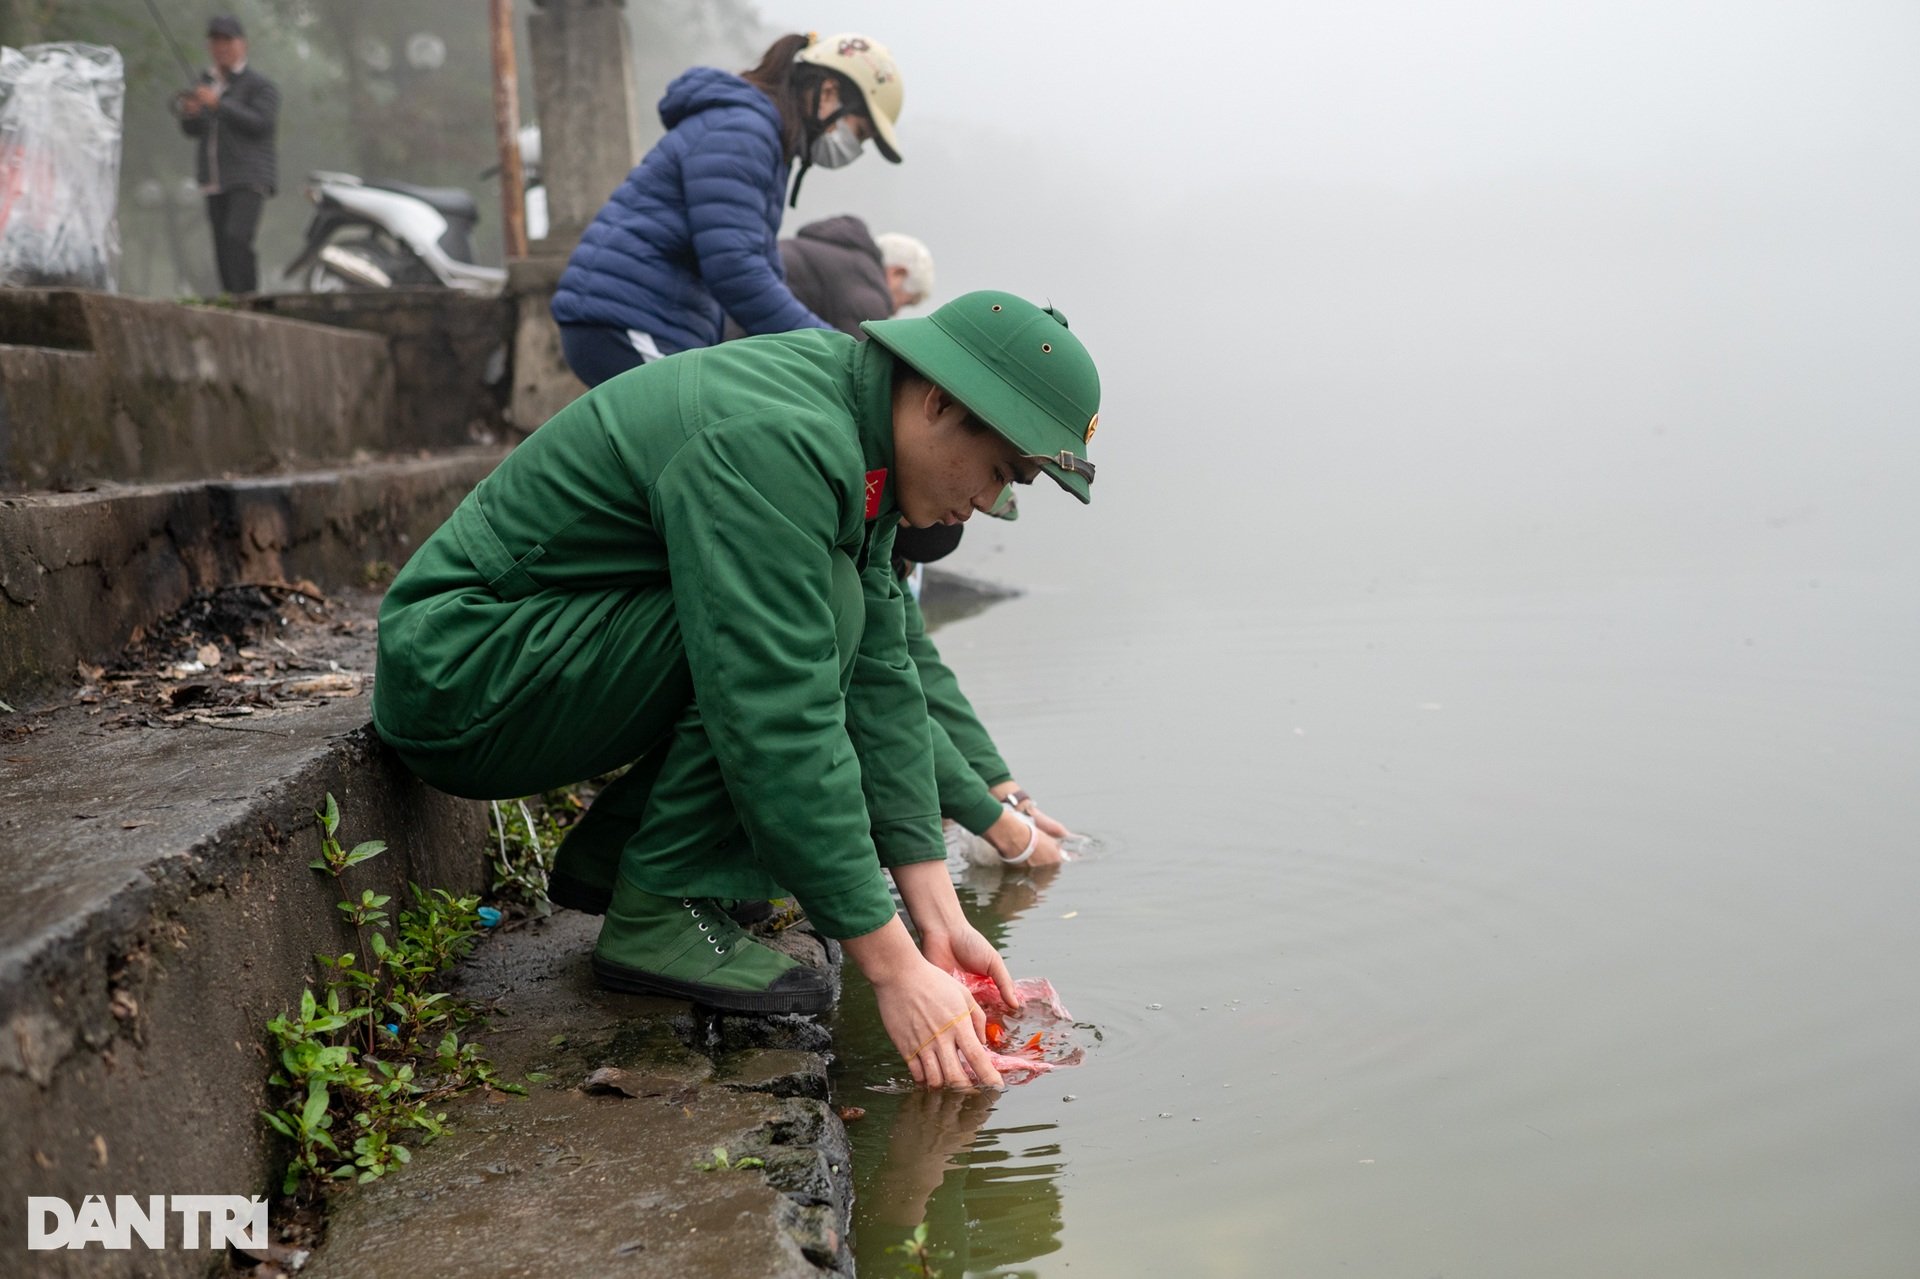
876 485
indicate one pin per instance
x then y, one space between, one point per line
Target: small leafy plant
333 859
365 1060
919 1254
720 1162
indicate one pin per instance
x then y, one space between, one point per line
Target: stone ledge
572 1181
80 573
451 351
160 909
154 391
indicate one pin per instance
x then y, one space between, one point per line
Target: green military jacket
733 477
965 762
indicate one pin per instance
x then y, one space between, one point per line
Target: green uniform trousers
625 697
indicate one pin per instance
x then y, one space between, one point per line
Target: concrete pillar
585 97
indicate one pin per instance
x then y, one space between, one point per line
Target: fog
1392 289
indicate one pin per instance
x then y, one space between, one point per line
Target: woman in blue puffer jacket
691 236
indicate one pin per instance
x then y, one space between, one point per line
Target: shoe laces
719 930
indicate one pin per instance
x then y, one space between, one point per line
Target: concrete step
96 387
578 1178
159 909
453 354
82 573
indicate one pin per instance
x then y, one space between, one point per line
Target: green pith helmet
1016 368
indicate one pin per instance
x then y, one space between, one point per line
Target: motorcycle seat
450 201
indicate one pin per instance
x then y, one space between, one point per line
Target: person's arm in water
749 513
887 720
972 776
731 238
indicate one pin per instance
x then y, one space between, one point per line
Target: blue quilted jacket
690 236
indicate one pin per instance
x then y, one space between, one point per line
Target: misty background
1489 655
1641 274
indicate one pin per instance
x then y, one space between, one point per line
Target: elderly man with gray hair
844 275
909 268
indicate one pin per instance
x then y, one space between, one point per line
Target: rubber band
1033 841
964 1013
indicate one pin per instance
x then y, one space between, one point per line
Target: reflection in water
990 1196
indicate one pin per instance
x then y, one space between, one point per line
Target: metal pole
506 128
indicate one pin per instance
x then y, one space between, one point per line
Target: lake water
1492 662
1509 914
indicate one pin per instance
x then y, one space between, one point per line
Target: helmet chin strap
814 127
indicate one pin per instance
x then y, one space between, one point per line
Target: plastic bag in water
60 164
1025 1042
965 846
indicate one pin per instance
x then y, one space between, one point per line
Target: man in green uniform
688 570
977 789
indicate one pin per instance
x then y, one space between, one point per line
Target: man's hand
966 949
207 97
1047 825
1009 835
935 1025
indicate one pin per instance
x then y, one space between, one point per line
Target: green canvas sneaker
590 895
687 948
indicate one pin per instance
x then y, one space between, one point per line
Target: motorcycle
390 235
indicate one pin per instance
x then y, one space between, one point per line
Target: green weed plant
720 1162
920 1254
367 1059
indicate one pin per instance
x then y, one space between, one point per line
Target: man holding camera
232 113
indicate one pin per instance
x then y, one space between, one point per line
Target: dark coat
688 239
834 267
838 272
236 137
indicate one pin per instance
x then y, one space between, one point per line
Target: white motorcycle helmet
873 71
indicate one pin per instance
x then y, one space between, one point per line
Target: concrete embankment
155 832
598 1170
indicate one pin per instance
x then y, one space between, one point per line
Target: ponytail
787 82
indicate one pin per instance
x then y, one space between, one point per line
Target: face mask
837 147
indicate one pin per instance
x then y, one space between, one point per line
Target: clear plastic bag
60 132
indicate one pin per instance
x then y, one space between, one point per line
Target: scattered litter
329 685
219 656
1070 914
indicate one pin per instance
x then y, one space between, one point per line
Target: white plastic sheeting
60 137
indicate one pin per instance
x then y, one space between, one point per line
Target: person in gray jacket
233 113
844 274
839 269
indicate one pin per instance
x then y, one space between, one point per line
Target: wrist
1008 834
884 955
1013 796
931 901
